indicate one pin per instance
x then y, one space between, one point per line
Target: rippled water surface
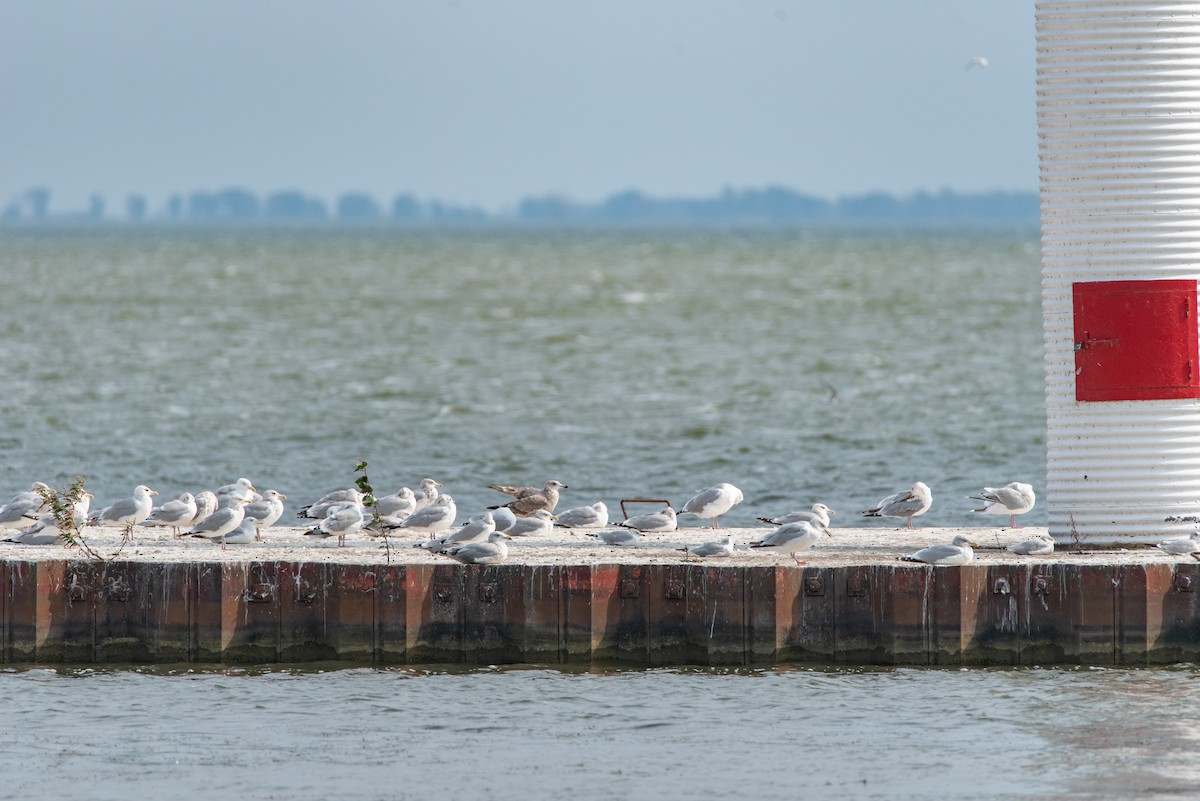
537 733
799 366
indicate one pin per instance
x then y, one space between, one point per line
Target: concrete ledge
1124 609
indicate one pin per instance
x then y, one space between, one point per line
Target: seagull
957 552
242 489
177 513
128 512
792 537
266 512
977 61
318 510
492 552
619 537
206 504
426 493
477 529
432 519
221 522
713 502
537 524
721 547
44 531
243 534
594 516
653 521
1012 499
504 518
1181 546
819 516
1038 545
526 505
340 520
904 504
401 503
24 505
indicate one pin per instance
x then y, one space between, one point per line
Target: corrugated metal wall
1119 145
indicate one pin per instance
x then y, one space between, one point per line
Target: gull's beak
281 495
153 492
831 511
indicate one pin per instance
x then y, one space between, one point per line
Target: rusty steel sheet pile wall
654 614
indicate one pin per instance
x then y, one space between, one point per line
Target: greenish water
800 366
537 733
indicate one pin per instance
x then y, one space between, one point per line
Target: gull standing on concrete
904 504
176 514
653 522
492 552
504 518
477 529
538 524
618 537
266 512
1012 499
221 522
721 547
206 504
318 510
1037 545
957 552
713 502
594 516
242 490
340 520
819 516
128 512
401 504
792 537
245 533
431 520
426 494
526 505
1181 546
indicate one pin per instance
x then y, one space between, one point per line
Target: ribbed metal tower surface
1118 105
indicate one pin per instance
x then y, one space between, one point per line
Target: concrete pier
1127 608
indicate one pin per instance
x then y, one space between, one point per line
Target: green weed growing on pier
371 502
61 504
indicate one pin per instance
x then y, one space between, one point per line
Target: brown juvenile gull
1012 499
713 502
904 504
526 505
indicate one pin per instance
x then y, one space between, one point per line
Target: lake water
522 733
801 366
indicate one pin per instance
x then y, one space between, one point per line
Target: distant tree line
770 206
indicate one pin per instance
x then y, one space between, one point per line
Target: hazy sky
486 101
